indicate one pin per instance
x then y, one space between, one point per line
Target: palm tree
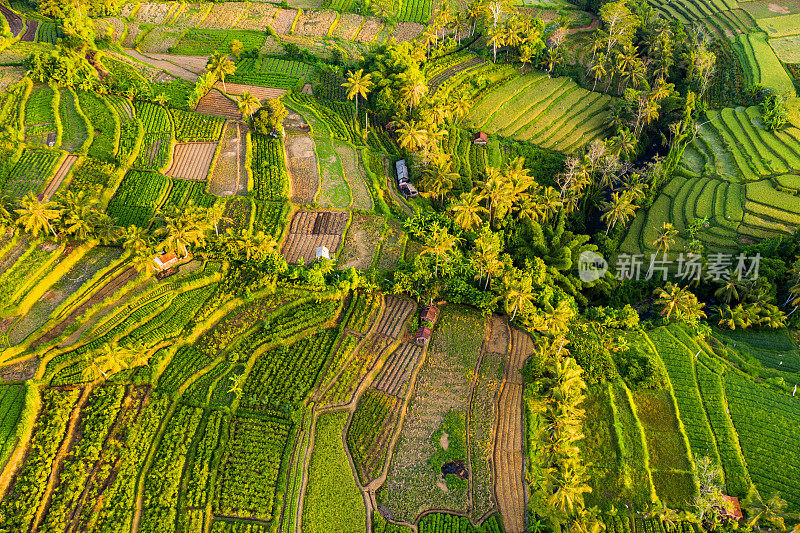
411 137
248 104
182 232
216 214
773 510
665 238
680 300
550 201
237 384
468 211
36 217
412 90
518 294
598 70
358 84
618 210
729 291
161 99
219 65
439 244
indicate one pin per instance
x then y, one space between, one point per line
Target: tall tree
220 66
37 217
248 104
358 84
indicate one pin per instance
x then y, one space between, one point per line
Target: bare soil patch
191 161
168 66
54 184
397 371
312 229
21 370
362 241
349 24
315 23
775 8
30 33
394 316
262 93
369 30
14 20
499 335
356 176
391 246
303 169
194 64
258 17
229 176
216 103
283 21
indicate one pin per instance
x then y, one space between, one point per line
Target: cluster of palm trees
70 215
745 304
110 359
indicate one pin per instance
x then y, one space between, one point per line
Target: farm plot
105 123
138 197
780 26
311 229
258 16
149 12
407 31
229 175
223 16
191 15
158 130
394 376
435 423
30 173
415 11
359 248
762 63
394 316
197 42
392 245
356 176
314 23
509 452
261 93
196 127
248 474
765 420
58 178
787 49
369 30
12 400
552 112
160 39
114 27
216 103
268 167
303 169
76 131
348 26
332 501
370 432
40 121
283 21
191 161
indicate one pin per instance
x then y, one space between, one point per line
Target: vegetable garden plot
392 245
348 26
353 169
40 117
206 41
191 15
260 92
216 103
312 229
270 177
395 374
104 121
160 39
30 173
415 11
407 31
196 127
58 178
332 500
76 130
138 197
158 128
443 386
248 474
12 400
191 161
303 169
448 523
229 175
369 30
152 12
113 26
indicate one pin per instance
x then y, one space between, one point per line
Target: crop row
265 79
139 189
18 507
199 470
30 172
447 523
364 310
187 361
39 108
96 420
12 399
235 526
414 11
196 127
767 420
371 423
271 179
248 474
170 322
198 392
624 524
154 118
185 191
270 217
104 121
287 373
162 482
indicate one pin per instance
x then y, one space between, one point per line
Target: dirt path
509 452
391 186
167 66
54 184
66 445
14 20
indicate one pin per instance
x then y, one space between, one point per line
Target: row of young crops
552 112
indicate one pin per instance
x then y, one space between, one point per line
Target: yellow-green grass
787 48
542 110
772 213
781 26
742 148
772 73
764 192
790 181
770 8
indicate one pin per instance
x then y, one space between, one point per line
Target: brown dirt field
216 103
369 30
54 184
356 176
191 161
30 33
362 237
499 335
153 12
191 15
284 19
21 370
396 312
312 229
303 169
509 453
258 17
398 369
168 66
315 23
14 20
194 64
114 22
224 15
262 93
407 31
348 26
229 176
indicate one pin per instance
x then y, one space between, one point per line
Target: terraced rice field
552 112
312 229
191 161
721 18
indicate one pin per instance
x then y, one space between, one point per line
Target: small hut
423 336
323 252
430 314
481 139
730 508
165 261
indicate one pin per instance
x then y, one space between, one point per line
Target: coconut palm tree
518 293
248 104
728 291
412 90
440 244
36 217
358 84
680 300
220 66
599 69
619 210
773 510
411 136
665 238
468 211
216 214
